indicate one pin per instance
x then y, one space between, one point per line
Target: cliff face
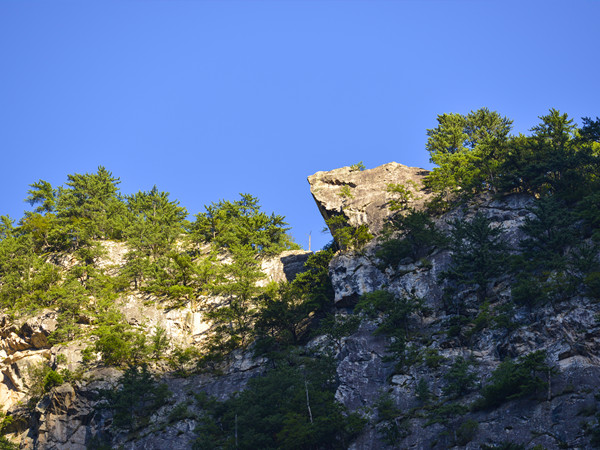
392 397
69 417
567 331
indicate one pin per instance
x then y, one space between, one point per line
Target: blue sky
208 99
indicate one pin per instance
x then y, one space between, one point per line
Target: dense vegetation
51 259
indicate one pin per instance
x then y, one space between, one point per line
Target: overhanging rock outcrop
362 196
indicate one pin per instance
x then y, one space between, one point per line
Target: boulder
362 197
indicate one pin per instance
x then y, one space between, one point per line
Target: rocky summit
363 196
439 335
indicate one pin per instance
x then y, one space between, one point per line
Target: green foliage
241 223
445 413
460 380
346 236
358 167
70 299
236 285
52 379
552 160
468 151
388 427
395 311
402 194
556 261
418 237
26 278
136 399
290 407
338 326
42 378
119 344
175 276
466 432
42 194
474 153
478 255
155 223
184 361
5 423
180 412
282 317
549 233
515 379
314 283
394 314
422 391
285 310
159 342
345 192
7 228
88 207
433 359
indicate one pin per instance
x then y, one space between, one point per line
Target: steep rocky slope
408 405
68 416
567 331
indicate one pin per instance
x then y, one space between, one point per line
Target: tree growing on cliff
227 224
478 255
467 151
155 222
346 236
236 286
411 235
89 207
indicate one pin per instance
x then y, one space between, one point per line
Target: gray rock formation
362 196
556 417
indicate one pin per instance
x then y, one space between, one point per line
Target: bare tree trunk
236 431
308 402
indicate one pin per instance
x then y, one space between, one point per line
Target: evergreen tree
549 234
155 222
136 399
42 193
226 224
467 151
478 255
89 207
236 284
418 236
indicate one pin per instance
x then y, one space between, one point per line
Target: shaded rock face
67 417
284 267
362 196
552 419
357 273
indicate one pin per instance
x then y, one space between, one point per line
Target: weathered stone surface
283 267
568 330
369 201
354 274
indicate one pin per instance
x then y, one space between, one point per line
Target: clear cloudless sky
209 99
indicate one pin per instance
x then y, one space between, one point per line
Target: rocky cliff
69 416
420 389
567 331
